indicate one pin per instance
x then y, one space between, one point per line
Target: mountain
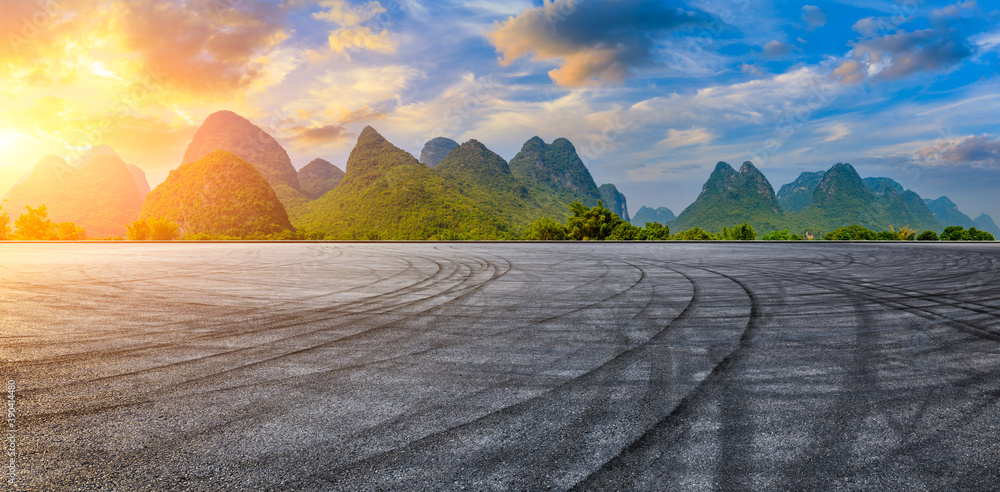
220 195
386 193
798 194
555 174
485 177
101 197
878 184
646 214
138 175
916 215
225 130
319 177
614 200
842 198
730 198
985 223
435 150
947 213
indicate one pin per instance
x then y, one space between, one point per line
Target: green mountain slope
798 194
662 215
435 150
555 175
101 197
225 130
388 194
614 200
219 194
482 175
729 198
948 214
319 177
914 213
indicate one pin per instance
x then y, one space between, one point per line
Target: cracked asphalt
503 366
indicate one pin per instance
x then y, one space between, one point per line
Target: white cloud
684 138
836 132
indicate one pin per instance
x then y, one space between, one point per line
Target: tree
162 230
4 221
693 234
953 233
852 233
68 231
654 231
927 236
545 229
974 234
624 232
35 224
590 224
886 236
744 232
782 235
138 230
153 229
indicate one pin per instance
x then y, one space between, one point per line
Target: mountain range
454 191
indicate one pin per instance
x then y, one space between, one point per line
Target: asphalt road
502 366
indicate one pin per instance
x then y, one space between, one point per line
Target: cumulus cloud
198 46
903 54
320 135
813 16
975 150
352 35
362 37
954 10
775 48
595 42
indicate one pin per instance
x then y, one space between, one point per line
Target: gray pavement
503 366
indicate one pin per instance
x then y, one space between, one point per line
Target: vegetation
35 225
742 232
5 231
554 174
387 194
694 234
545 229
798 194
782 235
484 176
318 177
654 231
927 236
959 233
614 199
731 197
153 230
225 130
218 195
591 224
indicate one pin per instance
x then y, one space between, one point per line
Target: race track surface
503 366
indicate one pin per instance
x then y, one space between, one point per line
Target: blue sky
652 93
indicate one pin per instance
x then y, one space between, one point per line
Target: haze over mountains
455 191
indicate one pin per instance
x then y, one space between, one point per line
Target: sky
652 93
